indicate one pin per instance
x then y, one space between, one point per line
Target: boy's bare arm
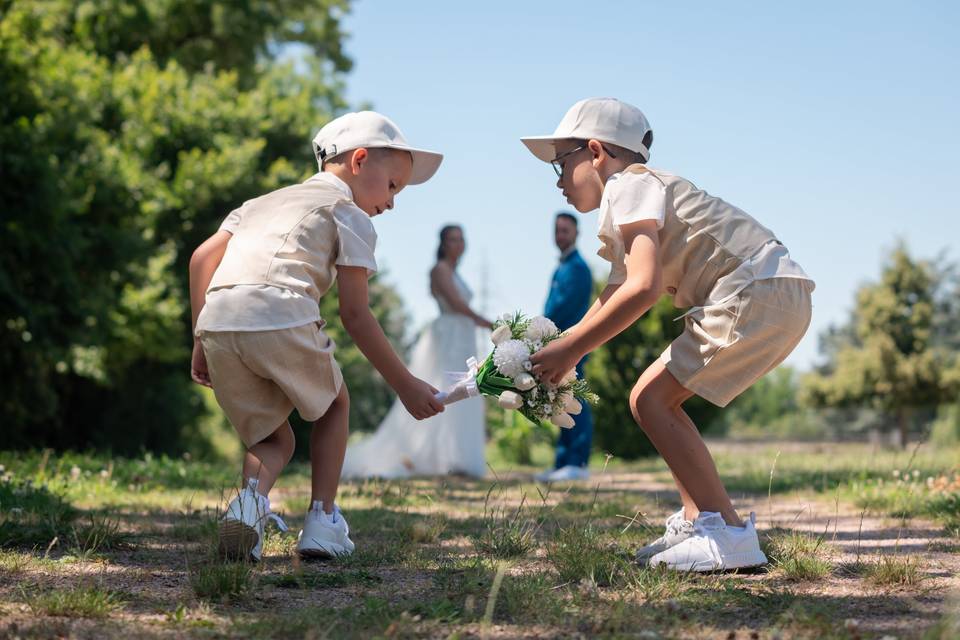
632 298
601 300
204 261
417 396
625 304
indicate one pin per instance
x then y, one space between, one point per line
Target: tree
128 129
614 368
896 353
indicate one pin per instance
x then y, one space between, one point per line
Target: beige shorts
259 377
724 349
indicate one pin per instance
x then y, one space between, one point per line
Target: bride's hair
444 232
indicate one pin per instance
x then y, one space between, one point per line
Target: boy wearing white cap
255 287
749 307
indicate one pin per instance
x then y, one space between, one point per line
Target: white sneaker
241 530
324 535
714 546
569 472
678 530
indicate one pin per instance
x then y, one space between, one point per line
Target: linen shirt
283 254
709 249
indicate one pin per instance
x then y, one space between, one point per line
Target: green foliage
897 352
31 514
128 130
613 370
770 409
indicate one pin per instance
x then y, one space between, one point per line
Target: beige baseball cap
603 119
369 129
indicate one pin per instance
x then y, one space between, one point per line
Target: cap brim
544 147
425 163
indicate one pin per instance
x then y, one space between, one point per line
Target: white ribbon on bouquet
462 384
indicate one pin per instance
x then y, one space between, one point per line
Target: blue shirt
570 291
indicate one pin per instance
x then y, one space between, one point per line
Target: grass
74 602
579 552
455 557
222 581
506 532
895 570
315 580
798 556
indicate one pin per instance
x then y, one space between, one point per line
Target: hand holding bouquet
507 374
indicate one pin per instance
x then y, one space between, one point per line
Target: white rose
510 400
524 382
507 317
562 420
540 328
500 334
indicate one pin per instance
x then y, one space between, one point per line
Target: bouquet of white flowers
506 374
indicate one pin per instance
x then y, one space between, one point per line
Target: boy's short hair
374 152
567 216
635 157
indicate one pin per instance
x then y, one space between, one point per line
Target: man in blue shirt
568 302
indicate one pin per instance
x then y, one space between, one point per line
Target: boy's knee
641 400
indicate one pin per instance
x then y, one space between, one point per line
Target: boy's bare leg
655 402
690 511
266 459
328 444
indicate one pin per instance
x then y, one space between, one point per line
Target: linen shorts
725 348
259 377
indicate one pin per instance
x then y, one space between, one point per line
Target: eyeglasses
558 164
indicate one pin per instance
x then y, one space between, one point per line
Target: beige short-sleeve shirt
710 250
281 280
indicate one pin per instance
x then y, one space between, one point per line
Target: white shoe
569 472
678 530
714 546
241 530
324 535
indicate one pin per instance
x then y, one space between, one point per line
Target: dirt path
154 576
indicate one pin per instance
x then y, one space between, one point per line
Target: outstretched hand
420 399
552 363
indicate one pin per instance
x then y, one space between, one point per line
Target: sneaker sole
325 551
734 562
238 540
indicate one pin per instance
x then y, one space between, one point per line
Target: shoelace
277 520
677 523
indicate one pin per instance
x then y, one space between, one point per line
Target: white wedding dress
449 442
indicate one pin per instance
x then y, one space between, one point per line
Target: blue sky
834 124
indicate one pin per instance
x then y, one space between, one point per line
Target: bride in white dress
452 441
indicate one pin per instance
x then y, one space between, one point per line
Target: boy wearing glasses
749 305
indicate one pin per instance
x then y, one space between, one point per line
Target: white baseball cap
369 129
603 119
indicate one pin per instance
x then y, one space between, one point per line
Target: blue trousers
573 446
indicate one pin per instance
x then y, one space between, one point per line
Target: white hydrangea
540 328
510 356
